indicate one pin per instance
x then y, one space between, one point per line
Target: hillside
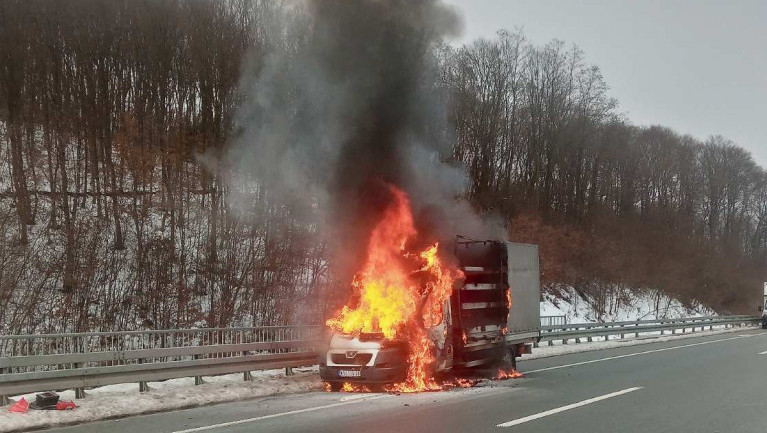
134 193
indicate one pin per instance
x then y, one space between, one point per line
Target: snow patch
616 304
121 400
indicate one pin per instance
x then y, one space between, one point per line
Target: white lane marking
355 397
568 407
275 415
763 353
628 355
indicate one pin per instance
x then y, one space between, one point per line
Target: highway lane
713 383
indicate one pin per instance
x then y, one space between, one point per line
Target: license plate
349 373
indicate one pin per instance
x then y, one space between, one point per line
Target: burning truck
420 311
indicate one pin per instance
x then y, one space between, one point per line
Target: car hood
342 341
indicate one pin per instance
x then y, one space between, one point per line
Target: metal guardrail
553 320
32 363
578 331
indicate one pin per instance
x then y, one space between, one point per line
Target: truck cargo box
482 319
524 279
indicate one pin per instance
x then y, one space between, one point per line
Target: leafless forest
116 209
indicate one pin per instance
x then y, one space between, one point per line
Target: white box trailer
484 326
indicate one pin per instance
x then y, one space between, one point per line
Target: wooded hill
113 217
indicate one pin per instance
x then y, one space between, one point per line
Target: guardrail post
198 379
4 400
143 386
80 391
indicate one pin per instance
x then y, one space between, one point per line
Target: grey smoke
346 101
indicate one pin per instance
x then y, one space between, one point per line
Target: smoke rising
348 100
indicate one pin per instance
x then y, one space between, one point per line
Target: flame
465 383
390 297
438 288
511 374
387 297
353 387
460 383
505 329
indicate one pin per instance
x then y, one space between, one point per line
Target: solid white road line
275 415
763 353
568 407
355 397
628 355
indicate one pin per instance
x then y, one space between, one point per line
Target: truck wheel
508 358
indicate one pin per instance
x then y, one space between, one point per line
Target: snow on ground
619 304
115 401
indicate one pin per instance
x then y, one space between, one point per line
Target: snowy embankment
617 305
115 401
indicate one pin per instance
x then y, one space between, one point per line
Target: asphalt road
715 383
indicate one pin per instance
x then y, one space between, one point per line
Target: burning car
414 314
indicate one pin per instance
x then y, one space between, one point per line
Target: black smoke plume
347 101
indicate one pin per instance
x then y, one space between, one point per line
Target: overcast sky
697 66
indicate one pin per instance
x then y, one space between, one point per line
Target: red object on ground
65 405
21 406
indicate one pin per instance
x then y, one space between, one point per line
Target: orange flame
460 383
391 297
511 374
505 329
387 297
353 387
